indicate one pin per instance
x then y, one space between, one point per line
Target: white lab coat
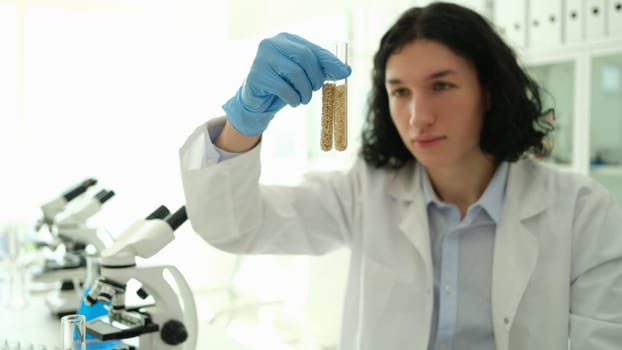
557 271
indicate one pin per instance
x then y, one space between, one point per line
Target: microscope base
63 302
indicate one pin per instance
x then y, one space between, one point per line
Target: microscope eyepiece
177 218
79 189
159 213
103 196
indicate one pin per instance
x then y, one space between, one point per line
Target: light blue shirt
462 253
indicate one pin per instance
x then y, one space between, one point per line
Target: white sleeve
231 210
199 151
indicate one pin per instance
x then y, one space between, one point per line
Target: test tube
18 274
73 332
334 128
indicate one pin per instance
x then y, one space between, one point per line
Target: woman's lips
426 141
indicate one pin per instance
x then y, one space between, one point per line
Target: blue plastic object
91 312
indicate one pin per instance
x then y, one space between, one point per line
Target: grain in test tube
334 128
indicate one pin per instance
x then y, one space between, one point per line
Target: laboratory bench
34 324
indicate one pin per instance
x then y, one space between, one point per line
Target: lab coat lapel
516 247
414 224
415 227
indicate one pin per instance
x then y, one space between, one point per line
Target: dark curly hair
512 126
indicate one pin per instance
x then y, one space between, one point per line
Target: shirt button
448 289
443 347
506 320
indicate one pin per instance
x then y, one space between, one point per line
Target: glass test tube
18 276
335 106
73 332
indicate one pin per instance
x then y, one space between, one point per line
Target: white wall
110 89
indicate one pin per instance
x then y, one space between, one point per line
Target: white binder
545 18
510 18
573 21
614 19
595 19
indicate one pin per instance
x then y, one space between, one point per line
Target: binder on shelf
573 21
614 19
510 17
595 12
545 28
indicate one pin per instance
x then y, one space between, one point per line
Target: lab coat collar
524 175
403 185
529 188
491 200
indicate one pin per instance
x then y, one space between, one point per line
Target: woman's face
436 103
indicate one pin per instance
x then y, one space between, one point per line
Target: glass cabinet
606 121
583 83
558 82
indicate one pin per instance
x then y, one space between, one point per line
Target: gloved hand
286 70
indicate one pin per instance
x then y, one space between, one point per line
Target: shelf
558 166
606 170
544 55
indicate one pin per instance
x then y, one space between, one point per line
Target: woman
458 238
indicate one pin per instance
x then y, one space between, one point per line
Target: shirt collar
491 200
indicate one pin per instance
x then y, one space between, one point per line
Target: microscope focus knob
173 332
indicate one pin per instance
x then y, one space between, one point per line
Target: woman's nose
420 113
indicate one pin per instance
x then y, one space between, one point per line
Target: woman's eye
442 86
399 92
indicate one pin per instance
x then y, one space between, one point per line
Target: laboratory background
97 97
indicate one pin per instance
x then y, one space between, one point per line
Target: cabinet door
606 122
545 29
558 84
510 17
595 19
614 19
573 21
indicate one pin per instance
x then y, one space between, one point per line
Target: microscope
58 204
70 226
171 321
72 241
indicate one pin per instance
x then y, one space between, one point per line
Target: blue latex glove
286 70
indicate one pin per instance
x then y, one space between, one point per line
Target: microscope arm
179 305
